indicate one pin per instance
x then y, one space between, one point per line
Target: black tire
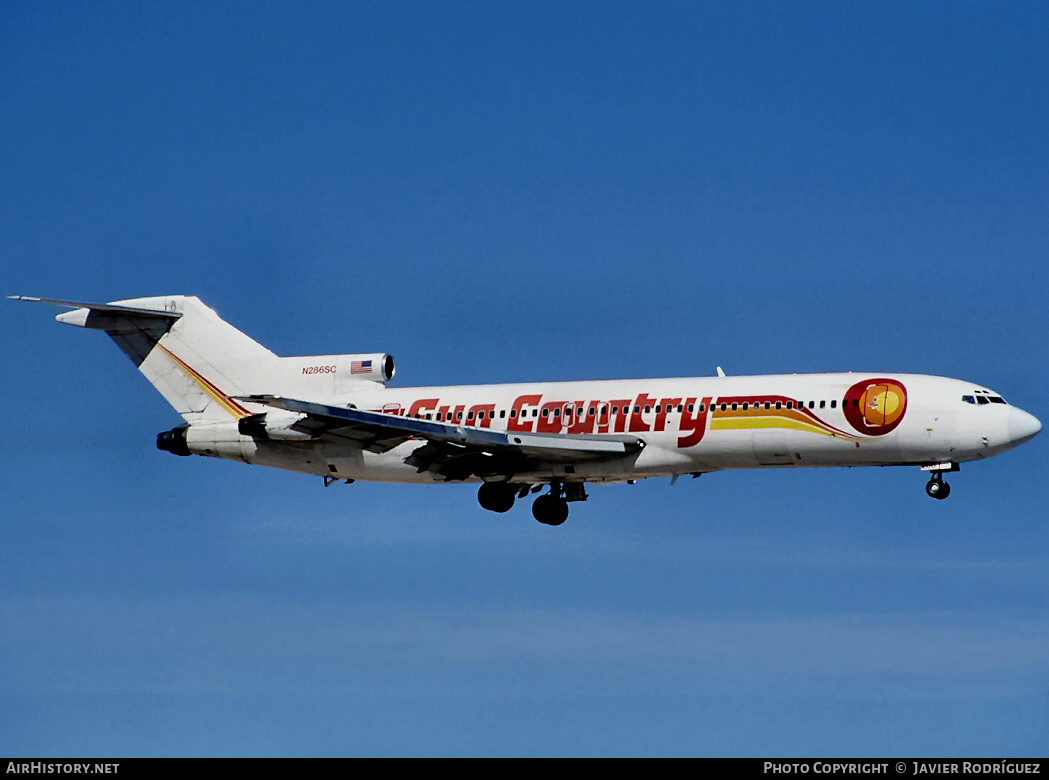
938 489
497 496
549 510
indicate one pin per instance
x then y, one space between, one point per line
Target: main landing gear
497 496
936 487
549 509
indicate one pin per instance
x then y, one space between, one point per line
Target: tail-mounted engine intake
174 441
378 367
216 440
343 369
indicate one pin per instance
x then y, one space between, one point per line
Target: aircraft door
770 448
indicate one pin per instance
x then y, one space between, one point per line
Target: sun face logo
875 406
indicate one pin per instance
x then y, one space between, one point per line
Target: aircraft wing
454 451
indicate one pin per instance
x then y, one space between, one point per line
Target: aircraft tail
201 364
195 359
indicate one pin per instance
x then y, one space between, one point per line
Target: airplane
333 416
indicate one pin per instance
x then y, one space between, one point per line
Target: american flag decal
361 367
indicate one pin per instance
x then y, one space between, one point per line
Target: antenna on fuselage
721 371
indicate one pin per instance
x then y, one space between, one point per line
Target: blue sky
510 192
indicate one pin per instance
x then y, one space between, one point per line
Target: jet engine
374 367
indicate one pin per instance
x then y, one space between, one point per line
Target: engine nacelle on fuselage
280 447
343 369
217 440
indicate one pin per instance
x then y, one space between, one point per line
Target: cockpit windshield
981 397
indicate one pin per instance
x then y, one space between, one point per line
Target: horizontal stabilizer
192 356
111 308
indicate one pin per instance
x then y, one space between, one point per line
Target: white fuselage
688 426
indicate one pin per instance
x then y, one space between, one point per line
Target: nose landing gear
936 487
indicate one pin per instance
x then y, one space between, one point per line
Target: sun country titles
873 407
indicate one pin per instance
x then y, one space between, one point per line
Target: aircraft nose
1022 426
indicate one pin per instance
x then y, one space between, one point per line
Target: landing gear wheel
937 488
497 496
550 510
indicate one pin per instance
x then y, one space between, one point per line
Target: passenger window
834 404
823 404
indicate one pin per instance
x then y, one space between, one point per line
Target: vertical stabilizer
194 358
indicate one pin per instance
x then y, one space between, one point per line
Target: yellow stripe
232 407
756 423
